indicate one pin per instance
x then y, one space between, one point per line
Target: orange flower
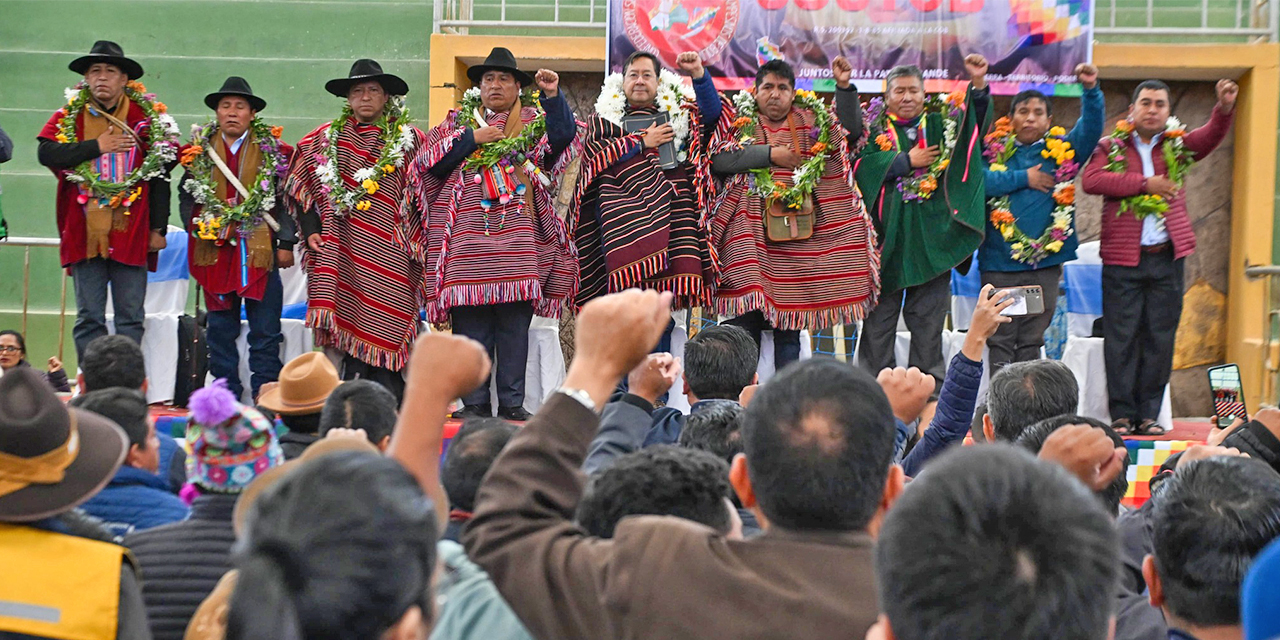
160 107
818 147
884 142
1124 126
137 86
277 131
1065 195
956 98
928 185
190 154
1175 133
1001 217
741 122
780 185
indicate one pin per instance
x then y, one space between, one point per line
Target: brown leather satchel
782 224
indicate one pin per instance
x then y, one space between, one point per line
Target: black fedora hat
51 458
235 86
500 59
110 53
365 70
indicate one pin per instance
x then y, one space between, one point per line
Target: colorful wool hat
231 444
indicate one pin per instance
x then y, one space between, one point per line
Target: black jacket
181 563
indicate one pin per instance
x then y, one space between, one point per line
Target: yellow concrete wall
1255 67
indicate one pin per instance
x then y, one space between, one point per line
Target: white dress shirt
1153 230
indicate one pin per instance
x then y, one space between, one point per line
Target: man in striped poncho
495 250
831 277
638 224
346 183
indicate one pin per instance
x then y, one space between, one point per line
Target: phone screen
1228 394
1019 306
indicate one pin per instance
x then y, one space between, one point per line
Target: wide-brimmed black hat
235 86
365 70
500 59
110 53
51 458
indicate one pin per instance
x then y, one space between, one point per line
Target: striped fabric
636 225
831 278
364 289
524 256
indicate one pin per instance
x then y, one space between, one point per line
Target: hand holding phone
1027 300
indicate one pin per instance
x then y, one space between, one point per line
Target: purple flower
282 169
149 96
319 157
265 184
325 189
1067 171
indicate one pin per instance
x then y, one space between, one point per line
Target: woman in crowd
13 354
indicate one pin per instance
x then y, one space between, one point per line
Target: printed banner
1029 43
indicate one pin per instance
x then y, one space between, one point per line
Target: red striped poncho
364 289
828 279
526 255
636 225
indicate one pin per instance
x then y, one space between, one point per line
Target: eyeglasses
9 349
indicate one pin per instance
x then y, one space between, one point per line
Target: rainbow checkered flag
1145 459
1037 22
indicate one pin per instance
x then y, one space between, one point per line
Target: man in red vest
1140 171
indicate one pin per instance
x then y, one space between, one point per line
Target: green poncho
921 239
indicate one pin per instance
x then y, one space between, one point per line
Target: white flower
472 94
363 174
1173 123
70 93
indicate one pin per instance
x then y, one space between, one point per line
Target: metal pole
26 286
1151 13
62 314
1274 19
1204 13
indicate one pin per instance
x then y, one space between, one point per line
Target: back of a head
471 453
1025 393
992 543
719 361
716 429
113 361
125 407
663 480
360 404
1209 520
342 547
819 442
1033 438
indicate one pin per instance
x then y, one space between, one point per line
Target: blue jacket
134 500
173 463
1034 209
953 417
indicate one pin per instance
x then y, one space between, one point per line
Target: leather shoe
514 414
473 411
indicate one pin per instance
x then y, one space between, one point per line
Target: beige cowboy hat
305 384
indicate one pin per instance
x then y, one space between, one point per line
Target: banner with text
1029 43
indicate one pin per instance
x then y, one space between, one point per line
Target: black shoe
514 414
473 411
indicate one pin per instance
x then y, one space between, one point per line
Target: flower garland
1177 160
398 140
215 214
674 97
512 150
1023 248
162 146
806 177
920 184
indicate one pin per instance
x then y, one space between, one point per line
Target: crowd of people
811 497
831 501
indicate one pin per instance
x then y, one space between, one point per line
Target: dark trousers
925 312
264 338
504 328
354 368
786 344
128 295
1141 307
1022 339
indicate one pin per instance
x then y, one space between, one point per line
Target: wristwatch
581 396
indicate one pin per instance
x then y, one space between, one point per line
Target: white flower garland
394 121
673 95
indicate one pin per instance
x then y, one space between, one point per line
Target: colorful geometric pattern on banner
1030 43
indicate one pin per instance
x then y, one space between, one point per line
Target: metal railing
1271 340
27 244
1250 20
460 16
1247 20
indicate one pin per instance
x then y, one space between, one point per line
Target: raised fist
548 82
1087 74
691 63
976 65
1228 90
841 70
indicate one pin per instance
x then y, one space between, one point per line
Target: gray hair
1025 393
903 71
